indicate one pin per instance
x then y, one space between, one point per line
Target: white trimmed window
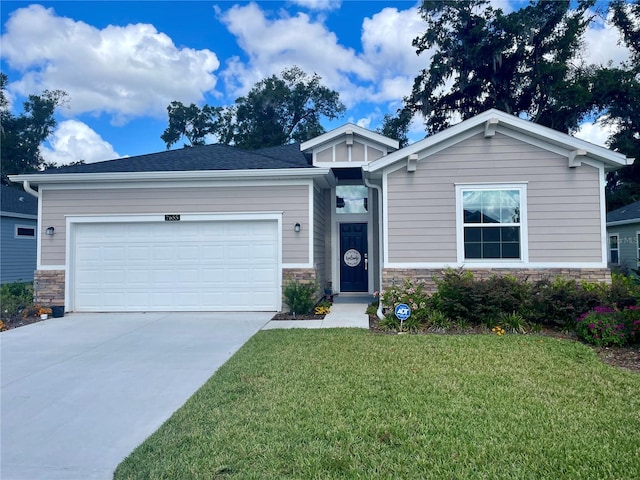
23 231
491 222
614 249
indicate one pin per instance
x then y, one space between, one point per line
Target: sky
121 63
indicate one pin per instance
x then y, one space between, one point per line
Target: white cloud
73 141
125 71
602 44
596 132
384 71
318 4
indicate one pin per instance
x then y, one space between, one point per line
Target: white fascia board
343 130
630 221
18 215
506 123
190 175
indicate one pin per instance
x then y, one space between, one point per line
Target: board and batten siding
339 152
319 227
292 200
563 204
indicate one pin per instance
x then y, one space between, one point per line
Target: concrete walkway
79 393
346 312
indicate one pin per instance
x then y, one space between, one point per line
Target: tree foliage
524 63
22 135
276 111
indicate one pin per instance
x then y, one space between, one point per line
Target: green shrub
455 296
437 319
299 296
602 326
410 293
15 297
513 322
624 291
559 302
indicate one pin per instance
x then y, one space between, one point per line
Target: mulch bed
288 316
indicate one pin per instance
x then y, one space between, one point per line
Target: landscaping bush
410 293
604 326
14 298
299 296
461 297
559 302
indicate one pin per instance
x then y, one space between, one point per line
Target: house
217 228
623 230
18 224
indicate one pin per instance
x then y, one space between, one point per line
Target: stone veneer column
48 287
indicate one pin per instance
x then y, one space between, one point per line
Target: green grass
311 404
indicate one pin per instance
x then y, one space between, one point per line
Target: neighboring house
623 229
18 227
217 228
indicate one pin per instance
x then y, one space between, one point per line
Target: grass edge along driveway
350 404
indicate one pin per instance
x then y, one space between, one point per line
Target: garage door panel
227 265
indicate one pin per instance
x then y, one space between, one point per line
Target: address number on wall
172 218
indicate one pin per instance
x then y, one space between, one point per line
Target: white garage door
169 266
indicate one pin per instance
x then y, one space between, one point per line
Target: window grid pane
491 221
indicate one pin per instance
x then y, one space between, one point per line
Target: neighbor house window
614 249
491 222
25 232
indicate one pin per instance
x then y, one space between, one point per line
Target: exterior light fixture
50 231
296 228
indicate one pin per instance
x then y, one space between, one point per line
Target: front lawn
320 404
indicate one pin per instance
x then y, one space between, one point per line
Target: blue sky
123 62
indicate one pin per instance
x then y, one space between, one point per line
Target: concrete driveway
79 393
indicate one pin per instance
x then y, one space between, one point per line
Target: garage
198 265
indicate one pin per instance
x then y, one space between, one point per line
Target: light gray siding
339 152
627 244
17 255
563 203
292 200
319 228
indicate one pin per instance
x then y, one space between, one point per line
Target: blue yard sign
403 312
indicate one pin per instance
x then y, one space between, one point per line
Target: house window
23 231
614 249
352 199
491 222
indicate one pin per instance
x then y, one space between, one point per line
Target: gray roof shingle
16 200
628 212
203 157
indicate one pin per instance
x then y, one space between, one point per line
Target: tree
276 111
524 63
397 126
618 94
22 135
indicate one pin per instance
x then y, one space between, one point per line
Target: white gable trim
507 124
349 129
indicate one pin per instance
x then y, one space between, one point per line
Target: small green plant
390 323
299 296
513 322
372 309
438 320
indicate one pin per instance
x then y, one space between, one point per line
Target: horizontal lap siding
293 200
563 203
627 243
319 226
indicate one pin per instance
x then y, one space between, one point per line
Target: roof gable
493 121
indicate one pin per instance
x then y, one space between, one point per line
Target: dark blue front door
354 258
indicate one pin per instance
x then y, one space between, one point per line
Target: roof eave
169 176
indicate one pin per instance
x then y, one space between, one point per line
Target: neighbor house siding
18 254
627 244
292 200
563 203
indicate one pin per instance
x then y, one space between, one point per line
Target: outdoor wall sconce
50 231
296 228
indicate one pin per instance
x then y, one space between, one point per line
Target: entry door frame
336 220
